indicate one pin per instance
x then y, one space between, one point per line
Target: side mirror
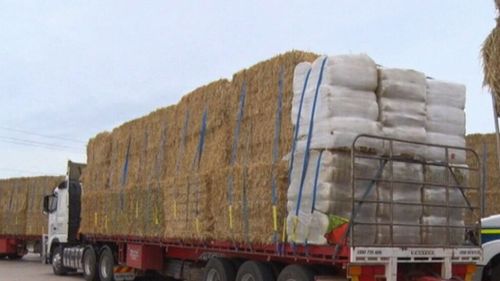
46 204
49 204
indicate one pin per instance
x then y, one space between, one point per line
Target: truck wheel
106 264
296 273
57 261
495 272
255 271
219 269
14 257
90 265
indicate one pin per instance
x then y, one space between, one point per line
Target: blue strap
160 156
234 148
277 133
316 177
297 127
125 165
183 143
201 142
309 138
125 174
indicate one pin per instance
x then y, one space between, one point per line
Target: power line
39 146
41 135
28 141
26 171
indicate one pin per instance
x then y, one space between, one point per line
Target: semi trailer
453 256
22 223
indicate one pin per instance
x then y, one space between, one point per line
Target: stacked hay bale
157 180
491 60
216 166
38 187
21 205
14 199
492 196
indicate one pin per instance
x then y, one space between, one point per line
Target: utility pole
495 113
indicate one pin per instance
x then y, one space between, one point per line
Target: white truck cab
63 210
490 262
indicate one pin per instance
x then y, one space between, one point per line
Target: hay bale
153 159
36 221
491 60
21 204
492 194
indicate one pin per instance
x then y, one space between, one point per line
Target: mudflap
124 273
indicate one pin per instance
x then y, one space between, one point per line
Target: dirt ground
30 268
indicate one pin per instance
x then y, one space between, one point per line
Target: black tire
255 271
90 265
296 273
14 257
106 264
236 264
2 257
219 269
57 262
277 268
495 272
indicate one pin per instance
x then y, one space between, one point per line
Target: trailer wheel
14 257
296 273
219 269
57 261
255 271
106 264
90 265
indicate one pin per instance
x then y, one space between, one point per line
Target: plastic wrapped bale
445 120
309 200
402 102
404 181
346 104
332 198
436 219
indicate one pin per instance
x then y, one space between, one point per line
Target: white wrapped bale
446 93
323 186
445 120
335 101
402 102
357 72
341 115
401 193
308 228
436 194
307 219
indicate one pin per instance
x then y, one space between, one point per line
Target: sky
71 69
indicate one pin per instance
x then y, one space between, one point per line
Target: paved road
30 268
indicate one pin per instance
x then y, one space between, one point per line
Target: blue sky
70 69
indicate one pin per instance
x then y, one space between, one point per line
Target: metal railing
458 220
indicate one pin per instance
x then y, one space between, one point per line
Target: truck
489 265
108 257
21 220
14 247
